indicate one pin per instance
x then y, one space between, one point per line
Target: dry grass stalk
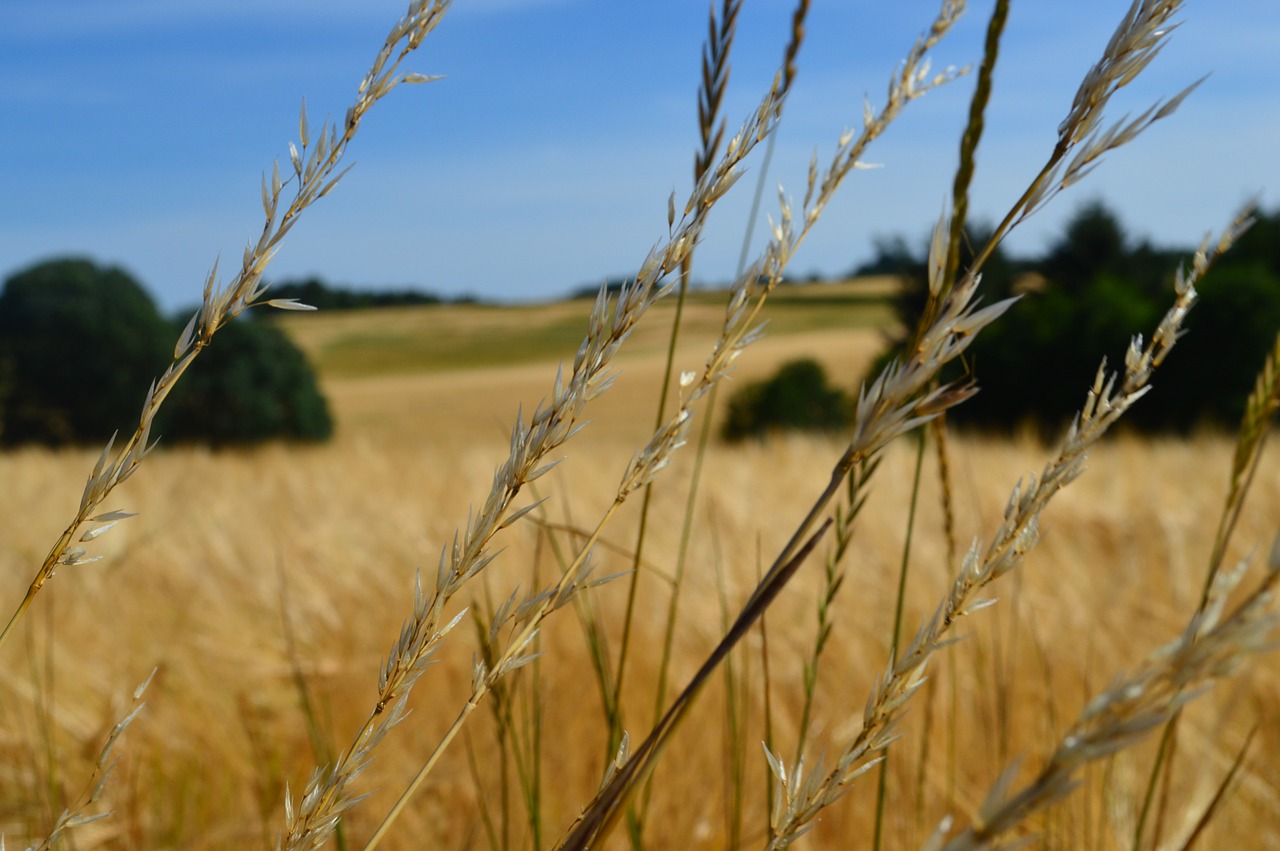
79 814
1136 41
552 424
715 79
1210 648
1255 425
716 48
899 401
738 331
805 795
1260 407
788 76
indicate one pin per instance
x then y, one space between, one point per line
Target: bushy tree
894 256
251 384
1093 290
796 397
79 345
1035 365
1211 371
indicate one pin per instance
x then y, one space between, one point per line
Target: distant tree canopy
81 343
250 385
612 285
1094 289
322 296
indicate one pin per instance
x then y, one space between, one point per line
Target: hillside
451 370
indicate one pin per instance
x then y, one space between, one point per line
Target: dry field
266 588
263 582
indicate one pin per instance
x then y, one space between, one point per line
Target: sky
135 133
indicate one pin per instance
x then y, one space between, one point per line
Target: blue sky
136 131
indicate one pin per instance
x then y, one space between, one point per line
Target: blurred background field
460 371
262 581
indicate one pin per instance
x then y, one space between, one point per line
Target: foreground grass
283 571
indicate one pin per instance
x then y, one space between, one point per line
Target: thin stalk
532 784
882 781
600 816
1220 794
597 640
482 801
524 635
615 717
733 711
844 517
1251 440
1166 784
972 135
768 697
788 71
502 718
922 765
960 210
320 746
715 79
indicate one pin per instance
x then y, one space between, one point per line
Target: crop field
525 588
266 586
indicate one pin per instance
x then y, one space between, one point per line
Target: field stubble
233 553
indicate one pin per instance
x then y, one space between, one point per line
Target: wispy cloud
42 19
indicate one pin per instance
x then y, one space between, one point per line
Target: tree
1093 244
79 345
1230 331
250 385
1098 290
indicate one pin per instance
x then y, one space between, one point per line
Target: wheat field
361 643
248 572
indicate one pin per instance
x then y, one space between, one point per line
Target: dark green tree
1094 290
1259 247
1211 371
999 274
79 345
1035 365
796 397
1094 243
250 385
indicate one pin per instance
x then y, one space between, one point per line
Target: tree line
1084 297
80 343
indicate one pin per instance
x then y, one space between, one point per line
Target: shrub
79 344
797 398
252 384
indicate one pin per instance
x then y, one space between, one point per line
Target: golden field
252 579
